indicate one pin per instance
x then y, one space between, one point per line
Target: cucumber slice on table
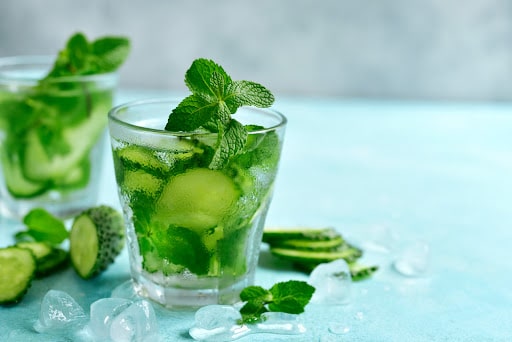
48 258
316 257
96 238
276 235
17 269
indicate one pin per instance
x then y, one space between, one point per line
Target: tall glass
194 233
52 137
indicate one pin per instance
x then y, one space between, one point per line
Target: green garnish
290 297
42 226
215 97
81 57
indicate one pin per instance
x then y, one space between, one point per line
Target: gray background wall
413 49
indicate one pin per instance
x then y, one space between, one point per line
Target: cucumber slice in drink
38 166
140 180
136 158
197 199
18 185
17 269
77 177
96 238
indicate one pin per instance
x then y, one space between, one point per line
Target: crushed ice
111 319
332 282
220 323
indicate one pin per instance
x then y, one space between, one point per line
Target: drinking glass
194 231
52 137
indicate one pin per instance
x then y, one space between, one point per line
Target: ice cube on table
414 259
103 312
332 282
59 314
125 290
280 323
135 323
218 323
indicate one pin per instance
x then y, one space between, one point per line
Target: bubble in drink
414 259
103 312
59 313
135 323
332 282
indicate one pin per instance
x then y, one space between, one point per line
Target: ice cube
280 323
413 261
103 312
125 290
332 283
135 323
59 313
218 323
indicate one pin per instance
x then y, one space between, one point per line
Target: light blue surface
439 172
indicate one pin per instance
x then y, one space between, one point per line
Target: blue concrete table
385 174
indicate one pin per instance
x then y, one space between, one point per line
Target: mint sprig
290 297
215 98
83 57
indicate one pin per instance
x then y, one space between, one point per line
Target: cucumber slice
197 199
136 158
18 185
275 235
96 238
320 245
48 258
38 166
17 269
77 178
316 257
140 180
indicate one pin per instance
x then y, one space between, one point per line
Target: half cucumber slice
96 238
17 269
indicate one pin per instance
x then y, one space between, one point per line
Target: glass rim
112 116
42 60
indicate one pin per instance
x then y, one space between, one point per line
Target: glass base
190 298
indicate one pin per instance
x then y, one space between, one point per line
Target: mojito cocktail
194 229
53 117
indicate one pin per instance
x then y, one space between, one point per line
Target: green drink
194 230
53 115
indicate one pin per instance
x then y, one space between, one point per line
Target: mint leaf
232 142
255 292
43 226
215 97
290 297
109 53
193 112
